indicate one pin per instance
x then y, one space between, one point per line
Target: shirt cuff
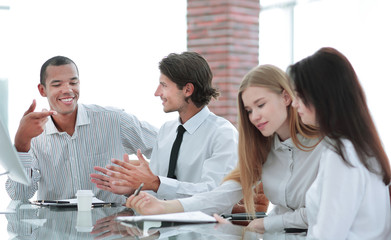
273 223
25 158
167 189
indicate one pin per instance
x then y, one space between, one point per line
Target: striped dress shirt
60 164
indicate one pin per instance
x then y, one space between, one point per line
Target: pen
50 201
243 216
103 204
138 189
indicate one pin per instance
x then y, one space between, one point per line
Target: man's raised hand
31 125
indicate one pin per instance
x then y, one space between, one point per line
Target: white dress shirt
61 164
208 152
286 176
348 202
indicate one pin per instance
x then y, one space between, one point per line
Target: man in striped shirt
60 147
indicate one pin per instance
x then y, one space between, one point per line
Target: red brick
226 33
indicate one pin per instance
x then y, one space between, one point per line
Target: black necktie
175 151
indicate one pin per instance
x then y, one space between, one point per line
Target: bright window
292 30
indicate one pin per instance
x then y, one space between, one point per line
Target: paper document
186 217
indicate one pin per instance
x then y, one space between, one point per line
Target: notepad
185 217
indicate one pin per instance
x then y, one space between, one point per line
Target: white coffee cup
84 221
84 200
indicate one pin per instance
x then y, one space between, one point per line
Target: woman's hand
256 225
146 204
220 219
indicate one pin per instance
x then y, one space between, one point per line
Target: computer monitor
9 159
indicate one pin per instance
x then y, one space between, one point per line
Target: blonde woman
274 147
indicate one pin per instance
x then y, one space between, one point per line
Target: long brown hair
328 81
253 146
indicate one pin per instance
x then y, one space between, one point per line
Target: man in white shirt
60 147
209 147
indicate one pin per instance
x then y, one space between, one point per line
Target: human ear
287 98
42 90
188 89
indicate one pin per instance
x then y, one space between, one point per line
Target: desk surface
32 222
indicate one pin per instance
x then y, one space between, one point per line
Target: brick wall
226 33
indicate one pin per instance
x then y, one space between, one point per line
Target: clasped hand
126 176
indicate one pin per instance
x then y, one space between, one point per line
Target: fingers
140 203
40 116
220 219
100 176
116 171
119 179
99 179
123 183
106 233
133 200
31 108
100 226
43 114
31 125
143 204
128 203
121 174
126 158
256 225
104 220
100 169
140 157
51 112
104 187
125 166
134 231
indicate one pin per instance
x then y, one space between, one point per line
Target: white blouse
347 202
286 175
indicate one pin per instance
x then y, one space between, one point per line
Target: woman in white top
272 148
349 198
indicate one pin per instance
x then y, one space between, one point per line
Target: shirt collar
288 144
82 118
282 145
194 122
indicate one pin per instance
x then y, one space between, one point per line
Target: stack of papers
185 217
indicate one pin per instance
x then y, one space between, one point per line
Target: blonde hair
253 146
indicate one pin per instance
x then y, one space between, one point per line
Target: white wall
357 28
116 44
